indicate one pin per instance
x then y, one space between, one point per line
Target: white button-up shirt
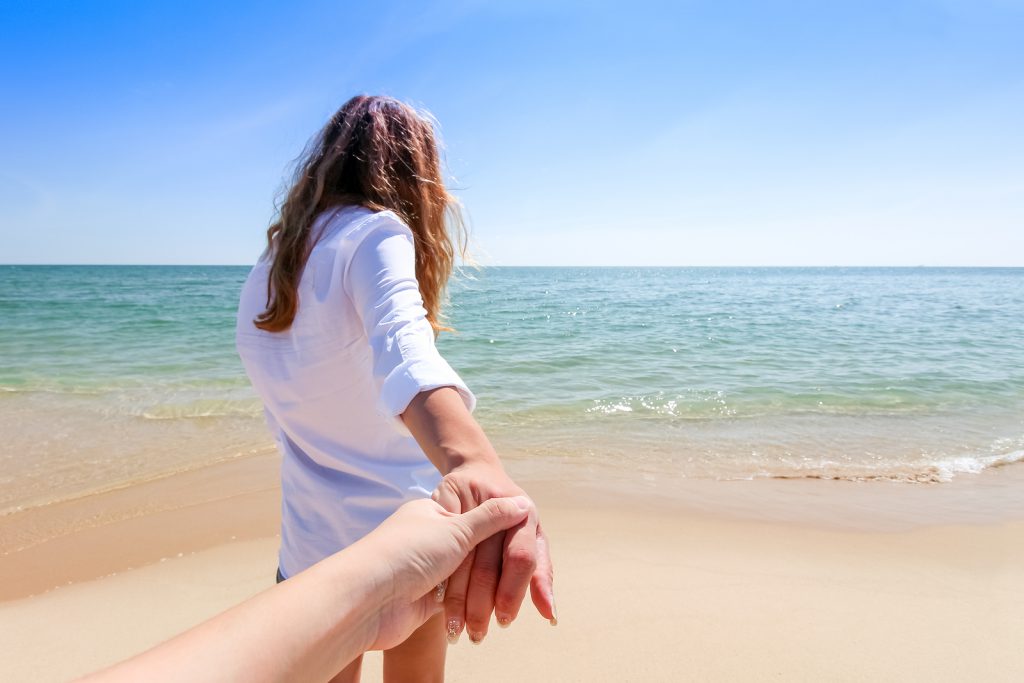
335 383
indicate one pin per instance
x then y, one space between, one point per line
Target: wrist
358 587
459 458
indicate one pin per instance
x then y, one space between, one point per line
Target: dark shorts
280 576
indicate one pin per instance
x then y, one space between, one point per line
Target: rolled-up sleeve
381 280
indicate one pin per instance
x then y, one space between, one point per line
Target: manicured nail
476 638
554 613
454 630
504 621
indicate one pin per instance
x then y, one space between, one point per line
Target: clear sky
596 133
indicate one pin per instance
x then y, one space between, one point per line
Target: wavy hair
382 154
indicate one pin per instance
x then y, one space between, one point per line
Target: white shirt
335 383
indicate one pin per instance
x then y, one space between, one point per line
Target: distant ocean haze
114 374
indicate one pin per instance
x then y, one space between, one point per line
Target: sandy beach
734 290
649 587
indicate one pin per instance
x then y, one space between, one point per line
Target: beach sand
718 582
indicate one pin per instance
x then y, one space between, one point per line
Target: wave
699 404
203 408
938 472
52 389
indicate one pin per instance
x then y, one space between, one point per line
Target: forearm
504 565
446 431
307 628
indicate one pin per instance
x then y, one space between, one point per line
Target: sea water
115 374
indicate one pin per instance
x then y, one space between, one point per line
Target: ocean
112 375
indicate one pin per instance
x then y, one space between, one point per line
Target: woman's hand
418 547
494 578
495 575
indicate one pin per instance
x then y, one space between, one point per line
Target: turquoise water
110 374
719 343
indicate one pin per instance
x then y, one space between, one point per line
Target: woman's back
335 381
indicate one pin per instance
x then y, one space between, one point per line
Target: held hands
494 576
422 544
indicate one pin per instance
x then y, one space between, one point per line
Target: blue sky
596 133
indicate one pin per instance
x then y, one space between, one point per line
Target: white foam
938 472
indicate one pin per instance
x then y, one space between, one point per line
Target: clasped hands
494 576
482 554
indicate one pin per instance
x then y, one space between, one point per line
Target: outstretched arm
495 576
418 386
372 595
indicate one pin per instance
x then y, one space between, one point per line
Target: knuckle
499 508
520 561
487 560
483 580
463 535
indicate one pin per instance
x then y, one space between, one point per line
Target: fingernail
476 638
504 621
522 502
554 613
454 630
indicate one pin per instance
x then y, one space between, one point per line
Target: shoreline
239 500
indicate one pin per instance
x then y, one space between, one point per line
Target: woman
336 330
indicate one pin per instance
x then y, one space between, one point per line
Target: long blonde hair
379 153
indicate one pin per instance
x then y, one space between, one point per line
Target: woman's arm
424 395
503 566
372 595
